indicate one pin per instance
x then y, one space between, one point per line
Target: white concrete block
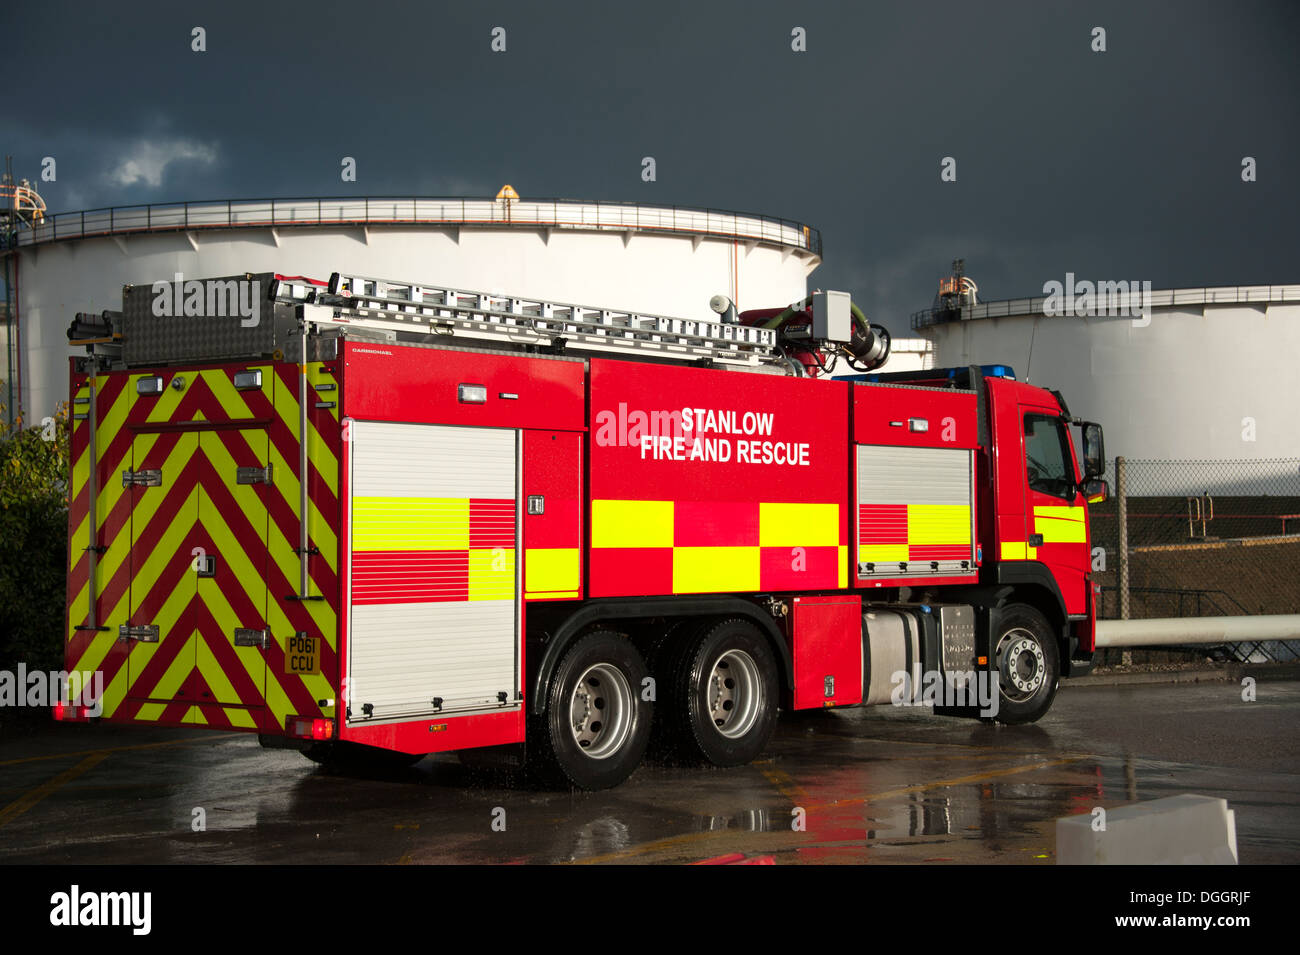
1177 830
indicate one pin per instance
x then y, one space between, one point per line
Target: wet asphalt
878 785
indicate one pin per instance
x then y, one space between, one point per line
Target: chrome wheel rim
735 694
1022 668
600 711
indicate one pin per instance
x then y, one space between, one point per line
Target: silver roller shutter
408 482
926 480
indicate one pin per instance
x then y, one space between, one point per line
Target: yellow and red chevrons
896 533
683 547
419 550
197 436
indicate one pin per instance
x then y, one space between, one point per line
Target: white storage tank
1204 374
658 259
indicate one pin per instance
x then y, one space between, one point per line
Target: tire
662 656
1028 665
343 756
596 724
722 695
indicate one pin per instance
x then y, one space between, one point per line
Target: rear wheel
1028 665
722 695
662 656
596 723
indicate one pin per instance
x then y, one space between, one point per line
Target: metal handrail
347 210
1219 295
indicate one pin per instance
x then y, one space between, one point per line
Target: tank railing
1110 308
1199 600
406 210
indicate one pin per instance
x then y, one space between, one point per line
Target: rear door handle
145 633
247 637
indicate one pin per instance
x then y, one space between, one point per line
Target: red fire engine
373 519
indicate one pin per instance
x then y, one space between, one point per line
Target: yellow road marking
784 782
33 796
956 781
698 839
695 838
133 787
207 738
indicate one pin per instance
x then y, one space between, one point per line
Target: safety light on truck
472 394
152 385
248 380
307 727
67 713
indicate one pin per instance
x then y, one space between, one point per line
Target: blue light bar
929 374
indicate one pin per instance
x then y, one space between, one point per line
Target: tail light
67 713
308 727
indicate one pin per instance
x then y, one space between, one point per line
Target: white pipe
1176 631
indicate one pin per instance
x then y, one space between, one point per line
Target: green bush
33 541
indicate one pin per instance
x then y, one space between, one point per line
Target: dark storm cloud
1123 164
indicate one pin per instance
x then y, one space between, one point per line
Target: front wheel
1028 665
596 724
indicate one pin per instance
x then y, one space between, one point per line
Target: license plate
302 655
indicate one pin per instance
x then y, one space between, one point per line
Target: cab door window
1047 459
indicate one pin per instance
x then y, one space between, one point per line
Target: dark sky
1117 165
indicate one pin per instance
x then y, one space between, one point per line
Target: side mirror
1096 491
1094 451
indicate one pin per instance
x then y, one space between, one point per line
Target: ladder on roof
353 301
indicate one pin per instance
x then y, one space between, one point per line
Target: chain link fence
1204 538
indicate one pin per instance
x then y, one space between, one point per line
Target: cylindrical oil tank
661 260
1173 375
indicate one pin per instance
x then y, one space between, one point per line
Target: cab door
1056 511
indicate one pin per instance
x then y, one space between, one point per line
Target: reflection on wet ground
862 786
